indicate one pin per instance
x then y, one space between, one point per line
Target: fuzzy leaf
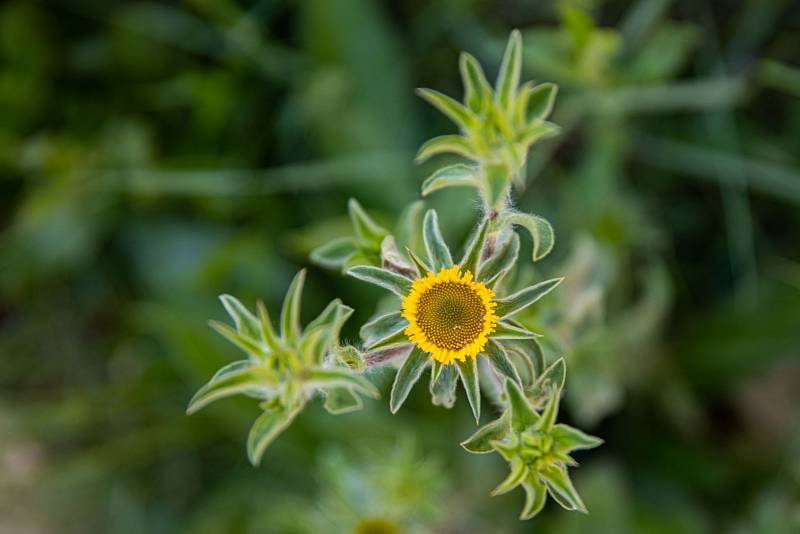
409 226
367 230
536 132
548 416
468 370
519 472
334 254
437 250
540 230
267 331
266 428
458 175
332 377
350 357
521 104
446 144
553 377
497 178
506 330
229 381
472 254
508 77
245 322
535 497
382 328
397 284
568 439
541 101
501 261
523 415
244 342
501 362
443 385
392 260
477 91
481 441
406 377
463 117
560 487
342 400
324 331
290 312
513 304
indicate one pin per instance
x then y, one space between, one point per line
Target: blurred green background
156 154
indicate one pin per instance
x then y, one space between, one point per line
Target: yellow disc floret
450 316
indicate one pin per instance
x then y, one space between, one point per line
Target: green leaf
508 77
477 91
334 254
397 284
513 304
409 226
245 322
267 331
382 328
505 330
367 230
463 117
523 415
501 261
443 384
392 260
519 472
472 255
422 269
541 101
481 441
244 342
548 417
406 377
290 312
555 376
446 144
350 357
536 132
561 489
468 370
540 230
568 439
342 400
437 250
497 178
535 497
501 362
266 428
332 377
458 175
335 314
521 105
231 380
323 331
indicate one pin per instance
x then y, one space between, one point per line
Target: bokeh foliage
155 154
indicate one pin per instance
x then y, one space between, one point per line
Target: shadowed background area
156 154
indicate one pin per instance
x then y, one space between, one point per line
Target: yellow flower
450 316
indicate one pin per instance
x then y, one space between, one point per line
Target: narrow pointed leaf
473 253
422 269
554 376
463 117
508 77
497 177
366 229
396 283
437 250
477 91
382 328
506 330
536 132
468 370
265 429
392 260
342 400
548 416
512 304
244 342
560 487
501 261
458 175
535 497
332 377
290 312
522 413
521 105
501 362
334 254
406 377
568 439
443 385
540 230
267 331
481 441
230 382
541 101
446 144
519 472
245 322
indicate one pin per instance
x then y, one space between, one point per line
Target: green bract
285 369
536 449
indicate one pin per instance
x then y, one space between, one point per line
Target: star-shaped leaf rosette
536 448
285 369
448 316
